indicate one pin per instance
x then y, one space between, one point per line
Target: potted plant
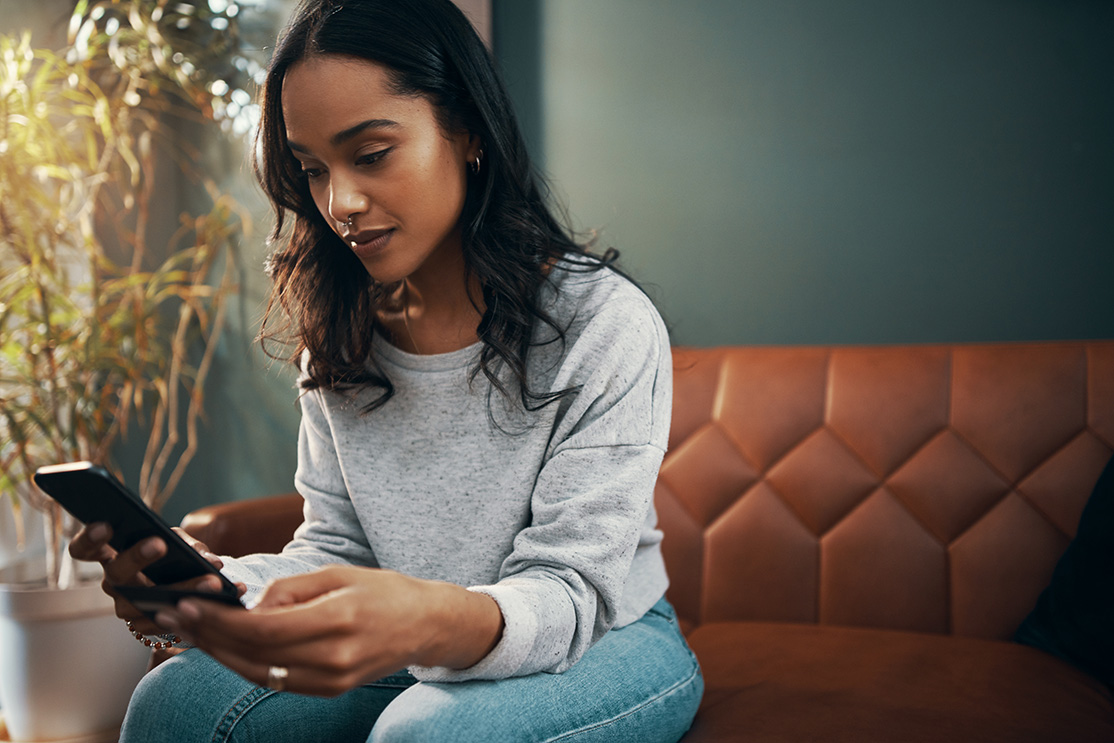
109 320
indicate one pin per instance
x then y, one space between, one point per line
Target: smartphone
152 599
91 494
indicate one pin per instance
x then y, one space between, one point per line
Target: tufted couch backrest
927 488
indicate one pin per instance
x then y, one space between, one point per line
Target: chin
384 274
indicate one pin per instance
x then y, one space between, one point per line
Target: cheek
438 188
320 196
451 185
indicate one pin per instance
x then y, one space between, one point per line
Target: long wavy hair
323 302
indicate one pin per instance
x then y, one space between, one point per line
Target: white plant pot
67 664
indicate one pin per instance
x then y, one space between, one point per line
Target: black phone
91 494
152 599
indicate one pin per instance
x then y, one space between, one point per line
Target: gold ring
276 677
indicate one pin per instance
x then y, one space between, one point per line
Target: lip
367 243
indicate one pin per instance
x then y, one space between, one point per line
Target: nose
346 198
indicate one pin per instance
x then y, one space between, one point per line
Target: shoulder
595 301
615 354
609 328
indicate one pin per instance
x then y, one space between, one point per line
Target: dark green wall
802 171
780 171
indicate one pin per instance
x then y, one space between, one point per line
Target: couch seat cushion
802 682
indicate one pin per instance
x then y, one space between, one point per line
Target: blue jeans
640 683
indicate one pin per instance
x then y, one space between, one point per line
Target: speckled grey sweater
550 513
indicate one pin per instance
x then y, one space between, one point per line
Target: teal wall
863 171
778 171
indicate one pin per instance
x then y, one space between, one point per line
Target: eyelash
372 158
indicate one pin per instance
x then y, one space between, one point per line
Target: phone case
152 599
90 493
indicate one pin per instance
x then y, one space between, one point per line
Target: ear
473 149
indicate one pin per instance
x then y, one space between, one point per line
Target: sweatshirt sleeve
561 587
331 532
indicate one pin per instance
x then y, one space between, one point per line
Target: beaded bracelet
164 641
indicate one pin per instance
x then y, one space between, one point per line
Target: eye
312 173
371 158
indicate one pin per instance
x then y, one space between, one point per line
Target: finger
201 547
91 544
299 589
330 648
332 656
140 623
124 569
137 620
289 611
216 625
299 679
127 612
189 539
206 582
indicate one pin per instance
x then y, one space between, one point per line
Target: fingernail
189 610
168 621
150 549
98 532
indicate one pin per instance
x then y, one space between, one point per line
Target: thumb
301 589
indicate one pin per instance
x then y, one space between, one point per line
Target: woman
485 406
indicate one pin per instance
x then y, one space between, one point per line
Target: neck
432 311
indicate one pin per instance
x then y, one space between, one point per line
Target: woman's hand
123 568
342 626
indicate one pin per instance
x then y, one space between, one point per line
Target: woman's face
382 171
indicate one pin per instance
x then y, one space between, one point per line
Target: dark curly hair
323 301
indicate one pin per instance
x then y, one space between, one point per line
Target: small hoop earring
475 164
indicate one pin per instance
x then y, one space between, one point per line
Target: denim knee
420 714
190 697
145 709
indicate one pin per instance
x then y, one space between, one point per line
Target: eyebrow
346 134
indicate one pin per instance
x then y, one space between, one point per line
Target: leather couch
853 535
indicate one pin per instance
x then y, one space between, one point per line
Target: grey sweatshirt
550 513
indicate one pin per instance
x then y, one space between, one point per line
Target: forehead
326 94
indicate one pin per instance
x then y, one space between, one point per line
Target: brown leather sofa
854 533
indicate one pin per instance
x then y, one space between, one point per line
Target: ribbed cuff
520 627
